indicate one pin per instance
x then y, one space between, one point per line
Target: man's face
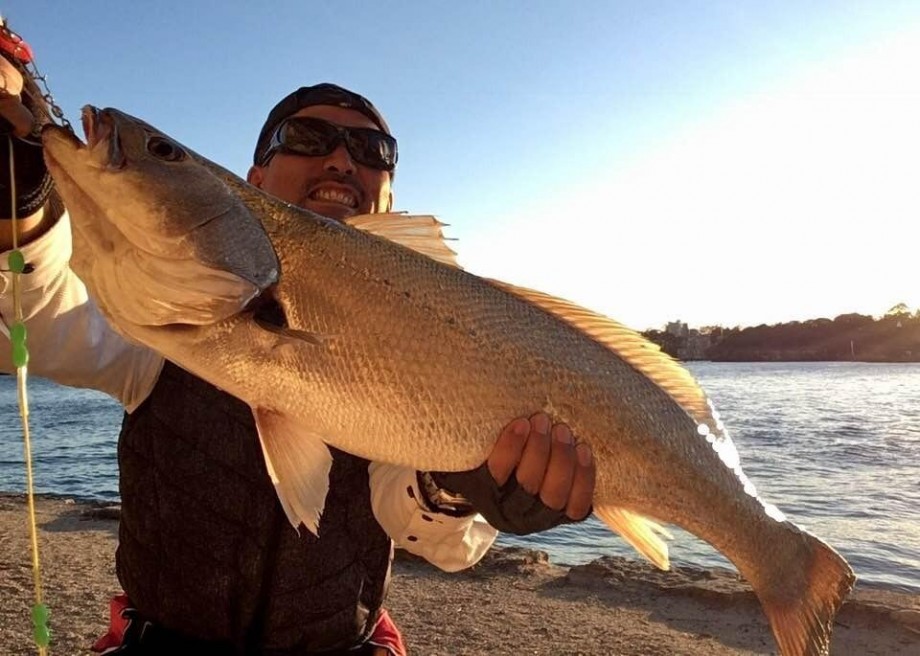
333 185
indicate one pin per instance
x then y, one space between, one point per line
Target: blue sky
718 162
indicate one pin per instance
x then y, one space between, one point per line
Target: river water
835 445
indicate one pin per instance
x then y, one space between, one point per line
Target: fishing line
40 632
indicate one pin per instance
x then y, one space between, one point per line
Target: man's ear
255 176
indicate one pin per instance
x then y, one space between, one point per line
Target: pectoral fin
298 462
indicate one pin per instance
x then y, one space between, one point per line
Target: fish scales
416 345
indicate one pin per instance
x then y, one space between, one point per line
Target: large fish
390 351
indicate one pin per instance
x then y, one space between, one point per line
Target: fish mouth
89 117
70 160
51 132
100 128
66 157
102 140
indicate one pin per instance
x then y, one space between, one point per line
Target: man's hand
534 479
11 107
546 463
33 184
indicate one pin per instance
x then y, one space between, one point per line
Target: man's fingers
10 78
560 472
536 454
506 454
547 464
582 493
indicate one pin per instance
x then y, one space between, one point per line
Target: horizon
728 164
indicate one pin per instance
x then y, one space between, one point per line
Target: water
835 445
74 433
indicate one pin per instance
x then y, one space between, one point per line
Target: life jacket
205 548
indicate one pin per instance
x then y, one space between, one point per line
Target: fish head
159 238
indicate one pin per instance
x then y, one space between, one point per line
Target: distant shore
852 337
514 602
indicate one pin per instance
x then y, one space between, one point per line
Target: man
206 557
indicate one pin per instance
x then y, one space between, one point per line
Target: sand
514 602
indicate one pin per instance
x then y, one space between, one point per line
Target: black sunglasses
314 137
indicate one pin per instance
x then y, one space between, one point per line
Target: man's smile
335 193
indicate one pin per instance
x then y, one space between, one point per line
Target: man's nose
340 161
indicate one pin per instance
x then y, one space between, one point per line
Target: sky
732 163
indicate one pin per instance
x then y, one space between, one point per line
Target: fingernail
520 427
541 424
583 451
562 434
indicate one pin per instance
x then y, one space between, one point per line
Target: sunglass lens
372 148
310 138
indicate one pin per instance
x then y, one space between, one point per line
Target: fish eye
165 149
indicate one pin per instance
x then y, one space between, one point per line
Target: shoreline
515 601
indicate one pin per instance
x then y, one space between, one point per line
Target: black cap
324 93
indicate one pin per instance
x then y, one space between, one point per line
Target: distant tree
715 332
898 310
894 337
853 319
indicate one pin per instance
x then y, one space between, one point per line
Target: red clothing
385 633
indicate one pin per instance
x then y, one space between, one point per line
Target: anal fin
298 462
641 532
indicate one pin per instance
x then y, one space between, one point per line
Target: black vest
205 548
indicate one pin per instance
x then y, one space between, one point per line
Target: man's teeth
335 196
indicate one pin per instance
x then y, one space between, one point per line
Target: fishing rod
19 54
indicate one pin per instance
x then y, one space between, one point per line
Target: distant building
687 343
695 346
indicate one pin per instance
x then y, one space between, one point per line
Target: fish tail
802 596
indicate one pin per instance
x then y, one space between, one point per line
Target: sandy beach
514 602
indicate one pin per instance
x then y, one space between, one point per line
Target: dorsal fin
420 232
643 355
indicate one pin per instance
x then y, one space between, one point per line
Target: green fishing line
41 634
